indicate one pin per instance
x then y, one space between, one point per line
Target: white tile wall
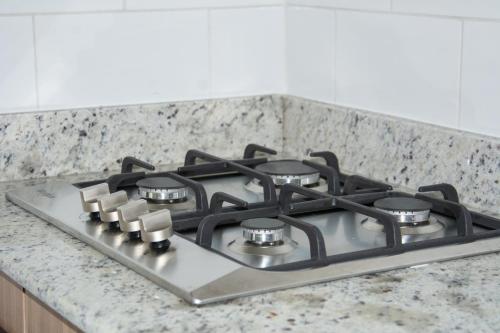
463 8
117 58
346 4
175 4
481 78
393 56
247 51
17 64
310 53
44 6
401 65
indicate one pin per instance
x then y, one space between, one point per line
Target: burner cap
408 210
289 172
263 231
162 189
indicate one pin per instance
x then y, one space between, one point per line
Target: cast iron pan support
199 190
448 191
252 148
204 234
330 159
207 226
329 173
357 184
265 180
129 162
319 200
218 199
451 208
391 228
316 241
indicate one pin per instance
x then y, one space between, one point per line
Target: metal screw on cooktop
156 229
90 195
128 217
108 206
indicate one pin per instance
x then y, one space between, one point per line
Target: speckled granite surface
98 294
94 139
400 151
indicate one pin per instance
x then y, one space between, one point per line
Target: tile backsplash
436 61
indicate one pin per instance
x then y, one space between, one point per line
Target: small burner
290 172
409 211
162 189
263 231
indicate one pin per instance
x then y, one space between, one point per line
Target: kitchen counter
97 294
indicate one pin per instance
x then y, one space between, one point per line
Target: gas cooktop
215 229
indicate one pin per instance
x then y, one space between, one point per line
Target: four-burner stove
215 229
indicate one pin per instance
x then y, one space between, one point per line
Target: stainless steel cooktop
219 229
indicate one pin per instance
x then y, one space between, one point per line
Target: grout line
388 11
460 70
285 44
209 45
124 5
35 56
121 10
391 5
335 37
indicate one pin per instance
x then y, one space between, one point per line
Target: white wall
68 53
436 61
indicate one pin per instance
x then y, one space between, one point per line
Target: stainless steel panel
201 276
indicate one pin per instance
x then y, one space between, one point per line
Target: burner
412 214
289 172
162 189
263 231
409 211
262 237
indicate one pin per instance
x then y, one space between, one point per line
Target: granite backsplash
399 151
96 139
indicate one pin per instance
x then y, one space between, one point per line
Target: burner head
289 172
263 231
409 211
162 189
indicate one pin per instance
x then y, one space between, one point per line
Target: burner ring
408 211
289 172
263 231
162 189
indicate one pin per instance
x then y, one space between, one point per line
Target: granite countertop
97 294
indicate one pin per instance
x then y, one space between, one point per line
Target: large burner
290 172
162 189
409 211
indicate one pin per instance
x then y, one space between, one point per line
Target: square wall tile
120 58
247 51
17 64
346 4
162 4
464 8
44 6
310 53
401 65
481 78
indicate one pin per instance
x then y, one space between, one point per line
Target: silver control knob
90 195
109 204
128 216
263 231
156 229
